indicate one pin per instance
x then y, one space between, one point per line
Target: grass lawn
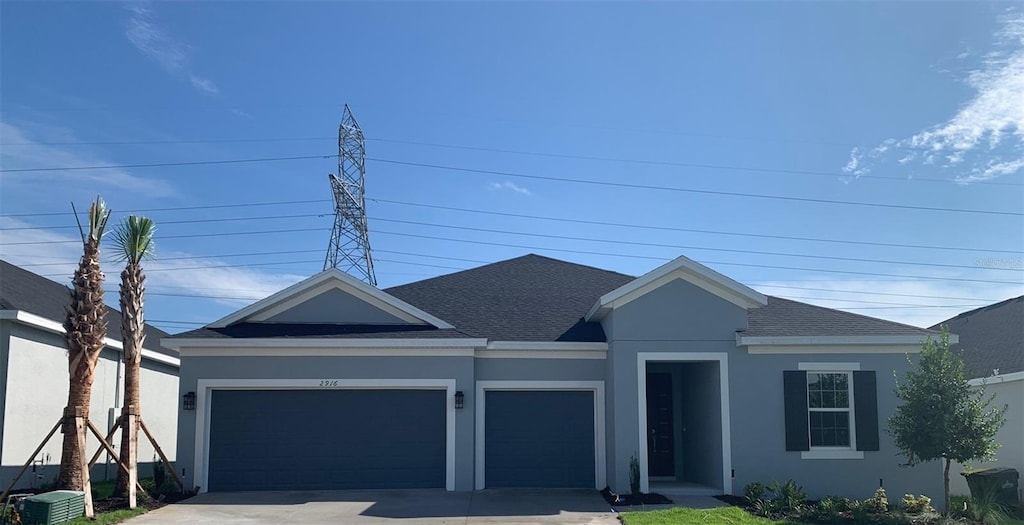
108 518
719 516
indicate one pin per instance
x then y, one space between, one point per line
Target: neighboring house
992 346
535 372
34 379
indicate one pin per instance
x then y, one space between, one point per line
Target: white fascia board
346 281
1001 378
546 345
683 268
52 326
285 343
835 340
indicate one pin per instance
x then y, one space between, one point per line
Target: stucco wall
680 317
36 394
1011 436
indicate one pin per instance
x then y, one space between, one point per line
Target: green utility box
52 507
1003 481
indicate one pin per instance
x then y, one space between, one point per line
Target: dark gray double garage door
365 439
327 439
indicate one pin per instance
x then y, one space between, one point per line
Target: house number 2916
329 382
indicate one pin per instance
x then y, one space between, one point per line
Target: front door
660 440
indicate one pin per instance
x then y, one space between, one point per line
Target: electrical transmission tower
349 249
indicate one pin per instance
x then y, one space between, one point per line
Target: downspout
115 412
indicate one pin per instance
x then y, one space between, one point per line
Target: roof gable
332 297
679 268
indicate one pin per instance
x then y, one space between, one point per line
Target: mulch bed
627 500
736 501
115 503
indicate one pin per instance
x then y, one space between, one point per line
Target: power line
573 238
504 214
167 164
690 190
778 171
585 252
539 177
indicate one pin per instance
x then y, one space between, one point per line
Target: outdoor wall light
460 399
188 401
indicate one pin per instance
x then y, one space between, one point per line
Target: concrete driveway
519 506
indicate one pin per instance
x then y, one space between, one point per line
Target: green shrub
986 509
764 508
754 492
159 472
877 504
634 475
828 510
918 505
789 496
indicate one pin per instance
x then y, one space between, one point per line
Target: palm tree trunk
945 488
133 337
70 477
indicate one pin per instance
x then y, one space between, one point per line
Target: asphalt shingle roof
783 317
23 290
991 337
529 298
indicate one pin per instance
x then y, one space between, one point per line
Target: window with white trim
830 410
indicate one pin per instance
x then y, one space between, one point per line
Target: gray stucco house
535 372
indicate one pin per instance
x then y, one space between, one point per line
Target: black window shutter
795 390
865 406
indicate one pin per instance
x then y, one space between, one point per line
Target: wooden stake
30 458
160 452
131 456
110 450
110 436
80 427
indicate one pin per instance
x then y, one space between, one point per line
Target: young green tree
942 417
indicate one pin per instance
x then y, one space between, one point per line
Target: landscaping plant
941 416
85 328
634 476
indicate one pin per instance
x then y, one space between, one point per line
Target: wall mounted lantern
460 399
188 401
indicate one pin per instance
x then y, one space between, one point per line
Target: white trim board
836 340
204 399
679 268
597 387
38 321
200 344
994 380
322 282
723 382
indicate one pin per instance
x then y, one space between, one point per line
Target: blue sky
905 104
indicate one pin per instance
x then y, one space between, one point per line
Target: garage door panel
327 439
539 439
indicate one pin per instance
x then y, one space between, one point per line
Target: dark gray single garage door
326 439
539 439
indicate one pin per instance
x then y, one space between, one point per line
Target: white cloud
153 41
963 296
199 276
987 130
29 151
510 186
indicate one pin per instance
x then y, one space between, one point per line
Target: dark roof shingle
529 298
991 337
783 318
23 290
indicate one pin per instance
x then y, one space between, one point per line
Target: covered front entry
327 439
684 423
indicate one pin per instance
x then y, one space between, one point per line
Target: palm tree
134 240
85 328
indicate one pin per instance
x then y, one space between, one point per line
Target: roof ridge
862 316
505 261
979 309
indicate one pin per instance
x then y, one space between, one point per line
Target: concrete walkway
420 507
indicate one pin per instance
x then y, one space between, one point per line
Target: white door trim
205 387
723 381
597 387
